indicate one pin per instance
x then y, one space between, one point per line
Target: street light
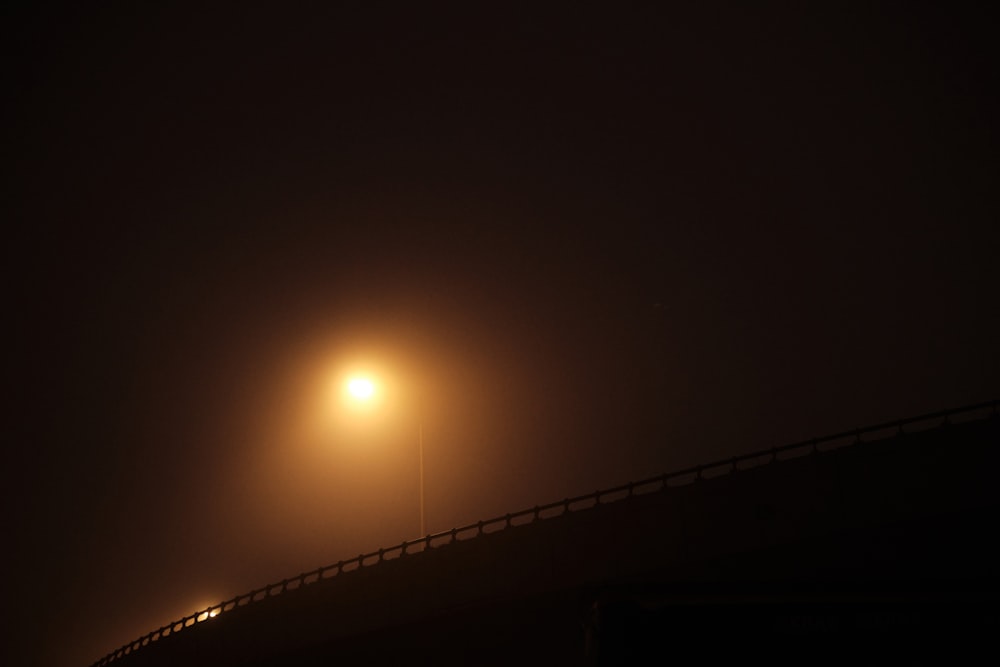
363 390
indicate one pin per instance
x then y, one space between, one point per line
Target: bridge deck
887 543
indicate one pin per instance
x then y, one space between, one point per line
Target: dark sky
581 244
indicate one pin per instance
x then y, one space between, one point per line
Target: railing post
537 514
402 548
454 535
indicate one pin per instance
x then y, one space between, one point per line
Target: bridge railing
559 508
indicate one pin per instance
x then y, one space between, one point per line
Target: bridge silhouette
877 542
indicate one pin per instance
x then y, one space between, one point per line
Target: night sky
579 243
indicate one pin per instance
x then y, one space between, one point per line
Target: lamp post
423 527
363 390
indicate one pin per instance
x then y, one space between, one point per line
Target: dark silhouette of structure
876 544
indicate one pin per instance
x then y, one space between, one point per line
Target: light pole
363 390
423 527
